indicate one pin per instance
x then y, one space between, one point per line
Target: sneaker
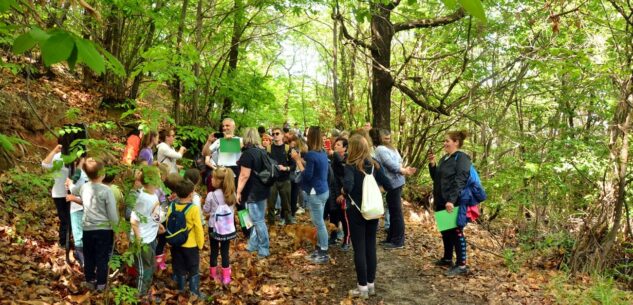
321 259
300 211
359 293
89 285
313 255
444 262
292 220
331 241
391 246
282 222
457 270
371 288
345 247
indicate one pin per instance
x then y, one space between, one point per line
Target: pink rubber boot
213 273
160 262
226 276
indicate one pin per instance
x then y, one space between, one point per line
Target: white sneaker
300 211
371 288
359 292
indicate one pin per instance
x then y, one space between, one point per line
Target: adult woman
296 144
148 142
449 178
166 153
362 231
339 157
391 160
253 192
315 185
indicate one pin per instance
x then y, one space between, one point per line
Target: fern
7 142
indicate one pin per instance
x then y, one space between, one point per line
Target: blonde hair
315 141
226 179
359 153
251 137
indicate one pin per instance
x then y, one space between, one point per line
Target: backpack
270 173
200 165
177 231
474 190
372 198
224 225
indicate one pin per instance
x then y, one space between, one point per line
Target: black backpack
270 172
177 232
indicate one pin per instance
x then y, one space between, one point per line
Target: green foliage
601 290
59 45
7 142
193 136
124 294
510 260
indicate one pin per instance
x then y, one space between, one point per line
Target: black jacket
353 181
449 178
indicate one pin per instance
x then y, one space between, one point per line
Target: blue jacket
315 173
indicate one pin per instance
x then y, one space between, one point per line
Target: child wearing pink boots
219 207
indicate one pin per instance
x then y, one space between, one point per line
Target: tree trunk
234 52
596 240
196 65
176 88
338 107
382 82
148 43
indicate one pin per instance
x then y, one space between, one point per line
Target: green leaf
473 7
72 60
90 56
452 4
39 35
5 5
23 43
112 62
58 47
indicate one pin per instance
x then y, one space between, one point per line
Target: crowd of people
319 173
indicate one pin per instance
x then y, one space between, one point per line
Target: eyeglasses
276 133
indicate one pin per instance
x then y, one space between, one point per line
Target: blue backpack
473 192
177 232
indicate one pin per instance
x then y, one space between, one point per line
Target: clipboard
445 220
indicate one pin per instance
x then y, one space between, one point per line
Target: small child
145 221
100 217
194 176
164 202
76 209
186 257
219 206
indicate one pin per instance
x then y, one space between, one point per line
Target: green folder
231 145
445 220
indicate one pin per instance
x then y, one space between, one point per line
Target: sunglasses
276 133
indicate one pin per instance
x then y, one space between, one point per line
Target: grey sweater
391 160
100 211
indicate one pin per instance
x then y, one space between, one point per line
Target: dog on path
301 233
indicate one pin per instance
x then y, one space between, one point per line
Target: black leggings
162 241
363 234
455 239
217 246
63 213
340 215
396 217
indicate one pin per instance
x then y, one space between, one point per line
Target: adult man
280 153
227 158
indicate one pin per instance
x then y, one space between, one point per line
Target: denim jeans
259 233
77 227
317 205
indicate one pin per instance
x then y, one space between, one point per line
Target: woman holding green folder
449 178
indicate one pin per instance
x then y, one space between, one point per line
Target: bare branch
349 37
413 96
429 23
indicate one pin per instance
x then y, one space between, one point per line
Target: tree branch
349 37
429 23
412 95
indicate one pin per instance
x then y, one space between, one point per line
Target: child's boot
213 272
194 286
160 262
226 275
180 282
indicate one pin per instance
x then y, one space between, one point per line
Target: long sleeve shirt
449 178
391 160
168 155
100 210
196 234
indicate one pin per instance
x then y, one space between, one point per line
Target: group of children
97 206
